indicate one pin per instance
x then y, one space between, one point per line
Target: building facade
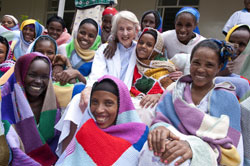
214 13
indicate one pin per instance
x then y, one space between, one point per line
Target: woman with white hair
125 27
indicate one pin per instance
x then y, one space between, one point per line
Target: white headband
13 18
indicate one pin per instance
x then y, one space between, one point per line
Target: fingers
149 100
173 136
85 94
157 140
150 145
176 149
184 158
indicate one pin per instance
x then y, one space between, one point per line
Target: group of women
132 97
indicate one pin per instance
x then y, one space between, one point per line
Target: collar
122 48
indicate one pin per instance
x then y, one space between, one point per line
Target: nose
125 32
200 69
182 29
147 24
100 108
38 80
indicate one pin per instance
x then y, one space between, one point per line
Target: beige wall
214 14
33 8
136 6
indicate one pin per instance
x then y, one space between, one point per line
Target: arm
109 51
99 66
69 74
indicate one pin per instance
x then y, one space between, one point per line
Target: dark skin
239 40
35 83
247 5
106 27
204 66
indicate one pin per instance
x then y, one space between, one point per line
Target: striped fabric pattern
119 144
220 128
28 140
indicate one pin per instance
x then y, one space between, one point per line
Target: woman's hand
175 149
66 75
109 51
157 139
151 99
175 75
230 67
85 96
61 60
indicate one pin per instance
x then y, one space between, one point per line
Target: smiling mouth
101 119
182 35
200 77
84 43
36 88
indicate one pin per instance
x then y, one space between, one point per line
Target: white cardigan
102 66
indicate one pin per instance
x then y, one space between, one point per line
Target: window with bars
69 11
169 8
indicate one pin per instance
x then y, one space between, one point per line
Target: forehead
242 34
47 43
103 95
6 18
88 27
149 16
2 45
147 36
107 17
185 16
205 53
55 24
39 65
124 23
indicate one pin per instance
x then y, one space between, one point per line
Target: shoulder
62 49
168 33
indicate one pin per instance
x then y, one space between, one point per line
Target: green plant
25 17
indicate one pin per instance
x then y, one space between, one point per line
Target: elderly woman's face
104 107
126 32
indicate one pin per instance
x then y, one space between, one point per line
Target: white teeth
84 42
200 77
35 88
100 119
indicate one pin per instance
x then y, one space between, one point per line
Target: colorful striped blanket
29 142
119 144
151 74
220 127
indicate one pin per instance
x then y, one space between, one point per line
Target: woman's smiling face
29 33
184 25
126 32
86 35
145 46
204 66
37 78
104 107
